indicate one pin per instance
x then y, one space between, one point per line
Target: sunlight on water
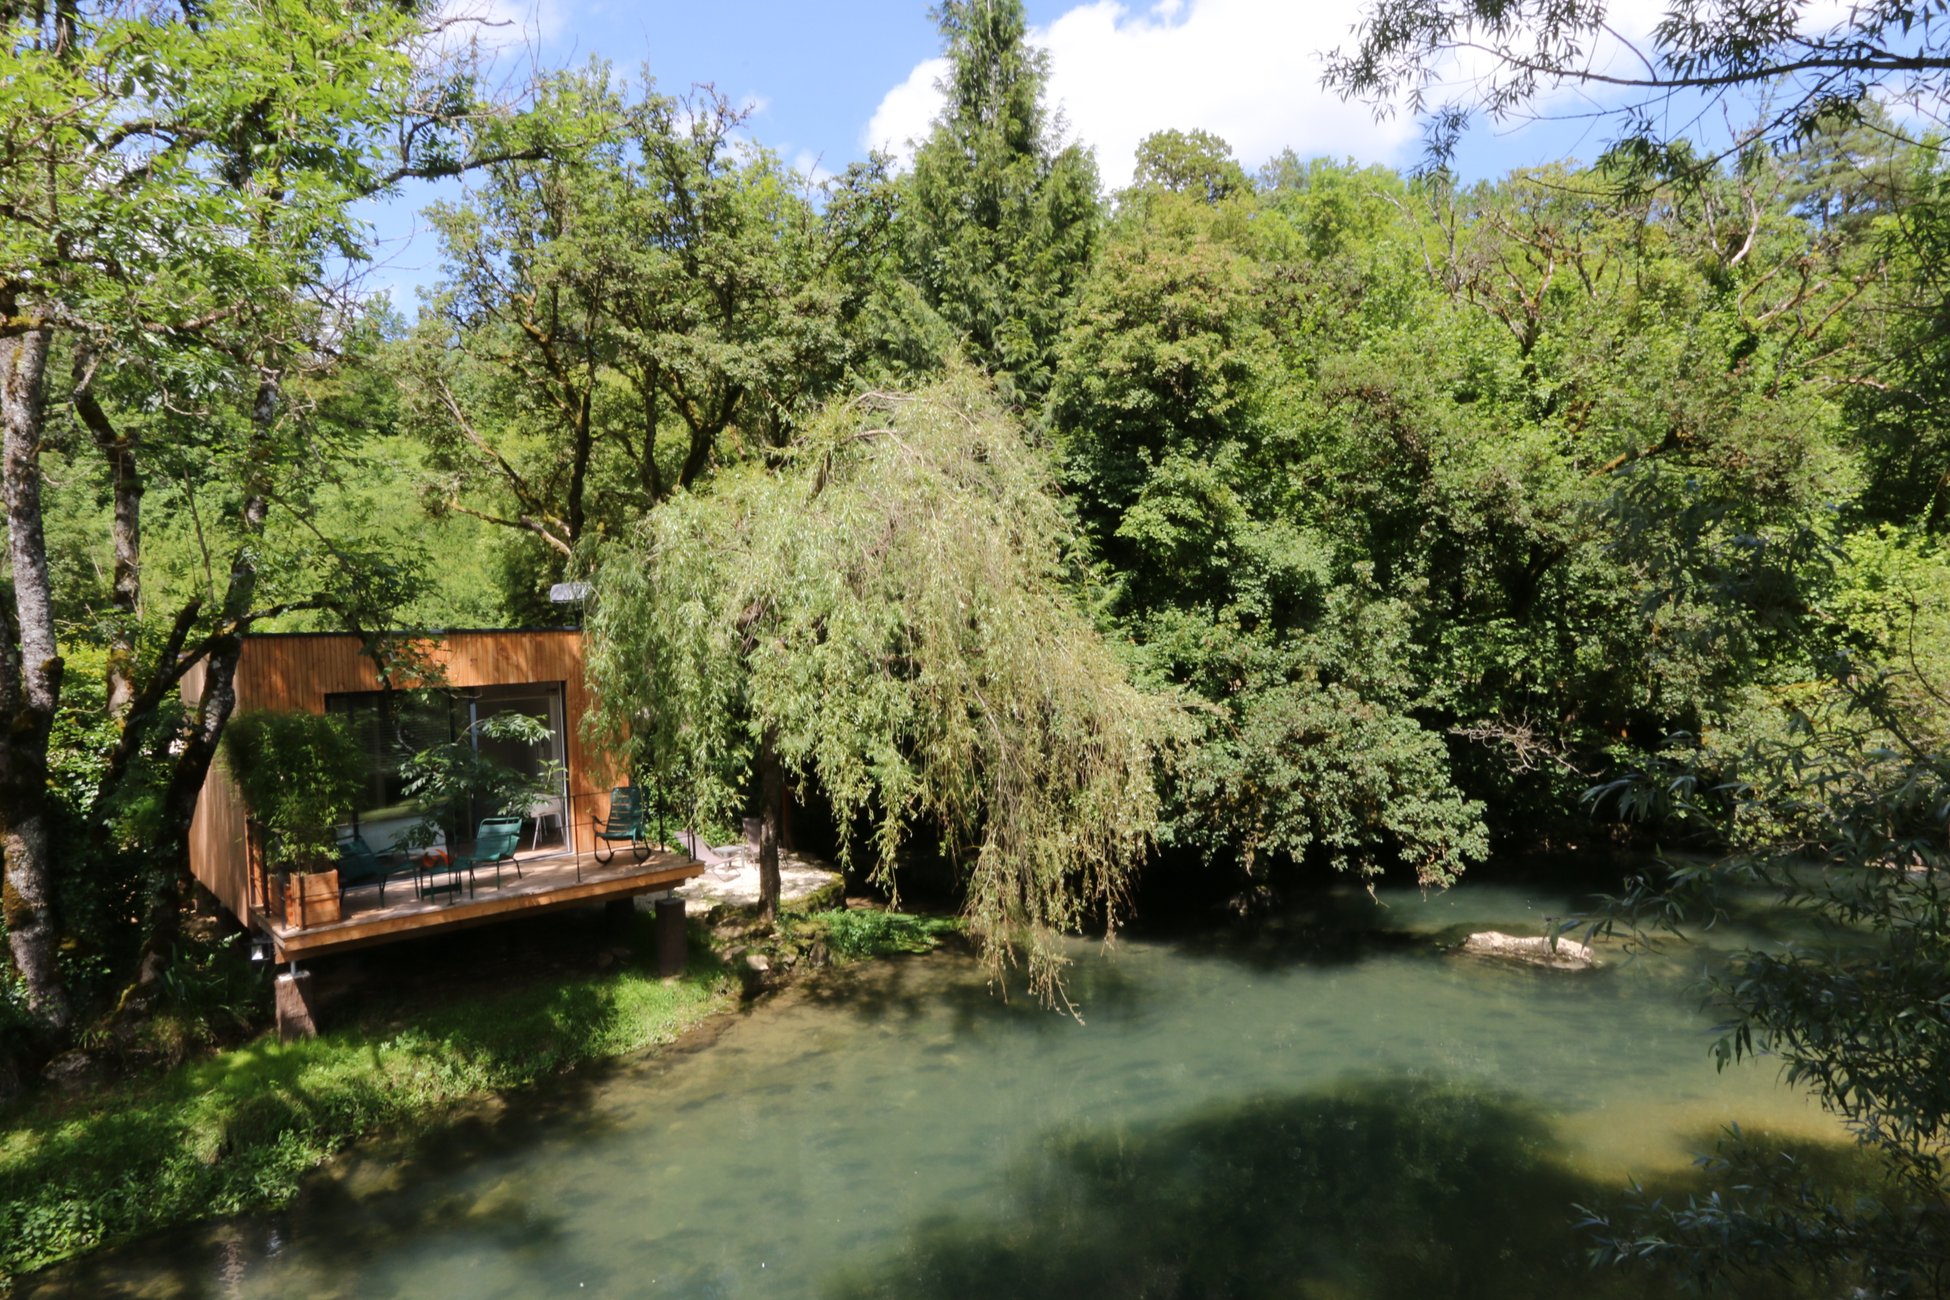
1306 1114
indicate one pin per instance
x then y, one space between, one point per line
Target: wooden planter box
311 899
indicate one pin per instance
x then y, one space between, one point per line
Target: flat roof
421 632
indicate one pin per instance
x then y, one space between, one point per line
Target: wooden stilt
296 1016
672 944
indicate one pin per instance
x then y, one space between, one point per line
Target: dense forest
1373 522
1420 509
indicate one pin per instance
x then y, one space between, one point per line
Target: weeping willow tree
884 613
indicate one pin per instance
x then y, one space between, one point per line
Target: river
1332 1108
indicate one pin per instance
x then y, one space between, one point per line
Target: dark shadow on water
1386 1190
1340 924
906 990
1324 927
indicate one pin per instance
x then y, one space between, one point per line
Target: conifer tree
1001 215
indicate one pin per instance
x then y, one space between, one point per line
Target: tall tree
886 616
1174 410
1000 216
175 191
614 322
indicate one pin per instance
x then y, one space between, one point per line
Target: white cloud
500 28
1247 70
906 111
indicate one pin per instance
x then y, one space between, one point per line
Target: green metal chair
359 865
623 826
494 846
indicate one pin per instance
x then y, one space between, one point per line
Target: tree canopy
885 614
177 195
616 320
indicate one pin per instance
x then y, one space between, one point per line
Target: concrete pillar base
672 943
296 1016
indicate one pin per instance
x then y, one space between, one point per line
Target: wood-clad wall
295 672
217 853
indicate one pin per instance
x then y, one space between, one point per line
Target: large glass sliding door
546 763
393 726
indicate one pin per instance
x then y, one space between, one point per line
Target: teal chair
494 846
359 865
624 825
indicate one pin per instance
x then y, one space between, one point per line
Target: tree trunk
196 745
30 683
649 474
579 463
196 748
126 487
771 793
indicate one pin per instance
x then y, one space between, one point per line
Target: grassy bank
240 1130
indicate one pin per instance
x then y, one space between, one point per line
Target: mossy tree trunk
771 792
30 680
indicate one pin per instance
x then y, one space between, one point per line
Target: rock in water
1568 954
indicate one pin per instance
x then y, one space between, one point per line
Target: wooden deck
547 882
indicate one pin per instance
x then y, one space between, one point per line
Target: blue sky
825 82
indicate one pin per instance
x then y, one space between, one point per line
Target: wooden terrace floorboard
547 882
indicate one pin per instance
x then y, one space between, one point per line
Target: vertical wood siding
296 672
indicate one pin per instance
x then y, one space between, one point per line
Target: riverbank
1371 1118
241 1130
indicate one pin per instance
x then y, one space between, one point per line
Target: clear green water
1332 1110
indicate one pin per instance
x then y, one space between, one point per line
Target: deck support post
671 941
296 1017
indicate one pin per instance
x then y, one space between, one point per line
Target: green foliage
1900 404
180 185
887 613
240 1130
301 775
1309 767
1189 162
1509 484
1888 612
860 933
1843 820
1000 217
126 146
617 318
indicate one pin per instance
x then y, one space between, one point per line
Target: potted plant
301 775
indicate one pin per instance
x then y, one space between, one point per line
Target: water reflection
899 1129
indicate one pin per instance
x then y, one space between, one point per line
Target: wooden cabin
471 675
